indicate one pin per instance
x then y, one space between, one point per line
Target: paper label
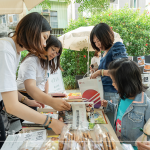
13 142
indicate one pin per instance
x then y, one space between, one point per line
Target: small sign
56 83
141 60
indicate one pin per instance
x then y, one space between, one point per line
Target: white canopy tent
80 38
17 6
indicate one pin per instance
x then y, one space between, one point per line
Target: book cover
74 96
141 60
58 94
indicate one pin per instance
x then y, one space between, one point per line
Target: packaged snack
103 138
50 144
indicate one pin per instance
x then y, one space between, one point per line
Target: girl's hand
33 103
56 126
104 103
60 104
95 74
143 146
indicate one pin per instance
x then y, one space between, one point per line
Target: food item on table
50 144
113 144
103 138
82 140
108 141
105 143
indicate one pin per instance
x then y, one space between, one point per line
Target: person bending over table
34 71
31 33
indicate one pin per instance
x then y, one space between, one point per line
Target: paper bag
91 90
146 130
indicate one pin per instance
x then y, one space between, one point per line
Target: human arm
29 102
57 103
14 107
108 106
47 87
117 51
144 145
99 73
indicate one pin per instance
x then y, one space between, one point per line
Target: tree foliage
93 6
132 26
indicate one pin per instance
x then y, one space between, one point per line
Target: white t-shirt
95 60
9 61
31 68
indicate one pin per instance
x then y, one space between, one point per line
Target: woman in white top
95 61
31 33
34 71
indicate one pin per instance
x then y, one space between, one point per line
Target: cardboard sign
56 83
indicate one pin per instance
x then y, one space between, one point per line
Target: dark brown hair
96 53
105 35
54 64
28 33
127 77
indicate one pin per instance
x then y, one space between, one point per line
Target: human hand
92 71
144 145
95 74
60 104
104 103
56 126
33 103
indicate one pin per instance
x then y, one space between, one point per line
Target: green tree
132 26
93 6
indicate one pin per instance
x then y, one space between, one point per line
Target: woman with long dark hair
34 72
31 34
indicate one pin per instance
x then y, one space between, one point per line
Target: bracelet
45 121
49 123
23 98
102 72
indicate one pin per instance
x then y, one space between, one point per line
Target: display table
106 126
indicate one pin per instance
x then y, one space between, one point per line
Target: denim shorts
115 99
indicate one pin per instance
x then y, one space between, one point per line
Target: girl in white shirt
31 33
34 72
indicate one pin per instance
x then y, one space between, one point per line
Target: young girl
133 109
31 33
34 71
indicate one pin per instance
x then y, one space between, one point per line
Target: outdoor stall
95 132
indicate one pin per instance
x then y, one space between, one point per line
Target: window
15 18
2 19
53 19
12 18
45 10
133 3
